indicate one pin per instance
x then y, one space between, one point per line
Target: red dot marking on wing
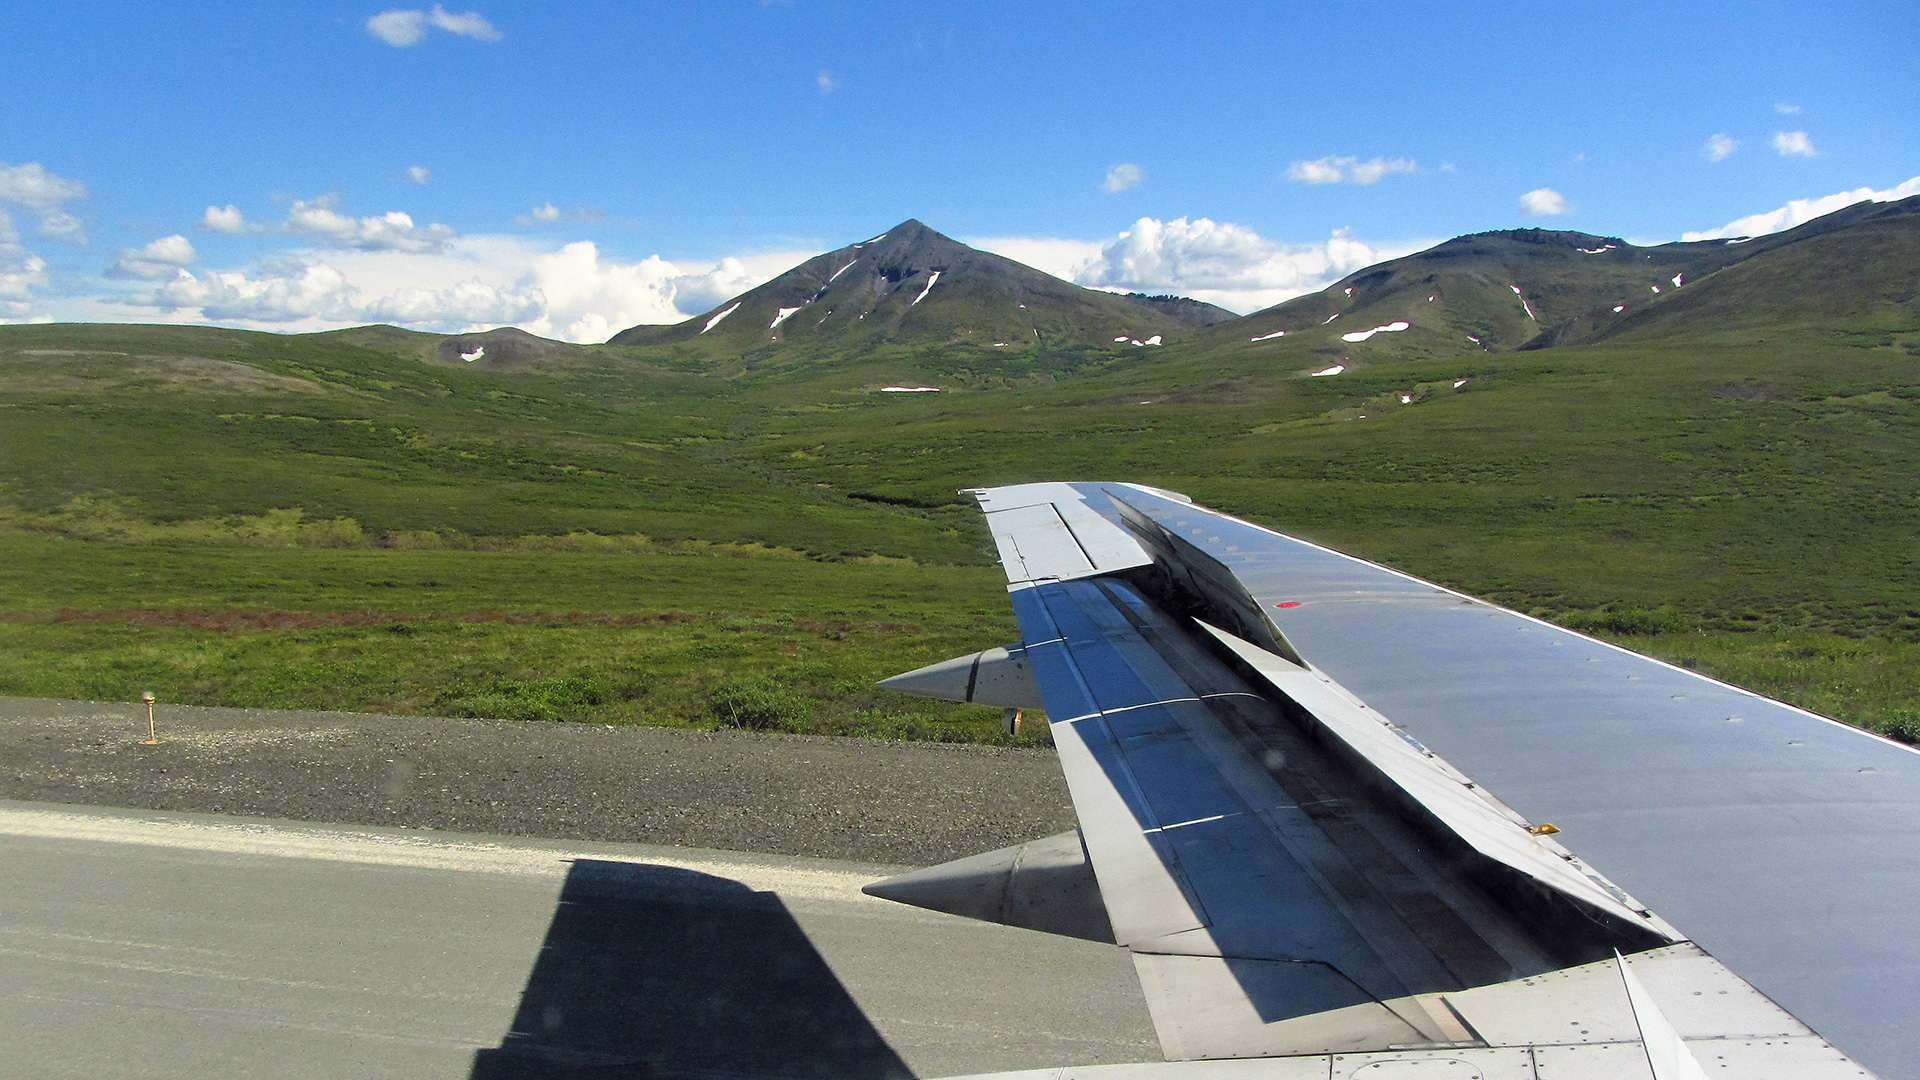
1288 603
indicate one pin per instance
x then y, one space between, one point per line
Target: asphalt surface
504 901
144 944
861 799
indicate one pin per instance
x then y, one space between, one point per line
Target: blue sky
576 168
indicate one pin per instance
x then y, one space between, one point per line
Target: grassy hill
1852 273
1537 288
678 529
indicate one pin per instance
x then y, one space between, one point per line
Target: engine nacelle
1045 885
999 677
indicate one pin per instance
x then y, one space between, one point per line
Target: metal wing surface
1312 792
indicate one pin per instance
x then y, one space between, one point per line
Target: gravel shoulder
859 799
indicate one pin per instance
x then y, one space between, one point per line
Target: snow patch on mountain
923 292
1389 328
715 321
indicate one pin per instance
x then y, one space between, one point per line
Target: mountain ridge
1522 289
912 284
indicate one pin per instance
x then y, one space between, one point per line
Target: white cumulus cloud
1121 177
1058 256
391 231
162 258
398 28
1219 262
419 174
1719 147
588 298
1801 211
402 27
826 82
1347 170
21 272
1542 202
544 214
280 292
1793 144
226 219
45 194
573 292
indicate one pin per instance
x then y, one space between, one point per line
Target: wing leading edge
1284 799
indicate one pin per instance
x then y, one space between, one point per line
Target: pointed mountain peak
913 284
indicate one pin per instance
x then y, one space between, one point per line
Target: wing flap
1454 802
1150 897
1212 868
1236 821
1048 532
1779 840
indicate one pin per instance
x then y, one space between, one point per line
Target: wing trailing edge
1305 882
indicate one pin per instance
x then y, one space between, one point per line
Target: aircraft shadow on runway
652 971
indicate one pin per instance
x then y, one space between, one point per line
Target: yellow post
151 739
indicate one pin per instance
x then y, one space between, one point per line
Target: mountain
1491 291
912 285
1856 271
1536 288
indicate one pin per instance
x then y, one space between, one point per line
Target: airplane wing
1343 818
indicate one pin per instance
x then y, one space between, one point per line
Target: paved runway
148 944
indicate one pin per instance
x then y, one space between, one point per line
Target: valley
728 522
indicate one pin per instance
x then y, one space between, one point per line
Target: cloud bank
1801 211
1218 262
466 283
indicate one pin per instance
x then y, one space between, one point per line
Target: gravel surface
862 799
